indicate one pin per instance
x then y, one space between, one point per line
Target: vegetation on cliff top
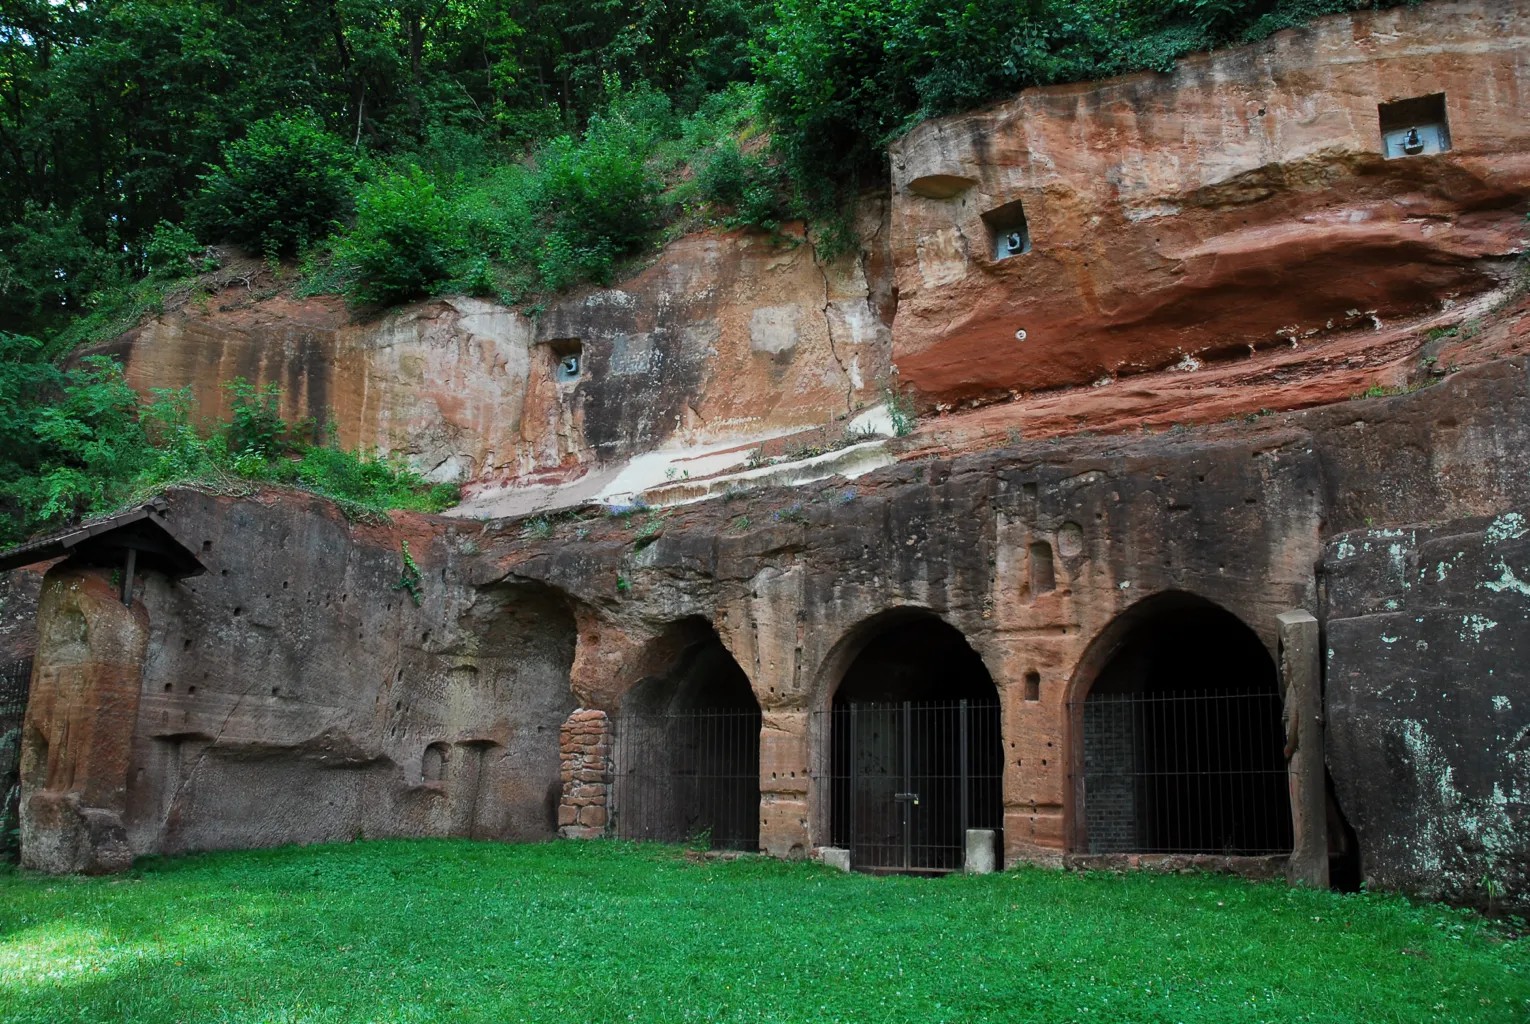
79 442
451 930
504 148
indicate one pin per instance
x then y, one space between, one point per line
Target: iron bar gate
689 776
1182 772
908 779
15 685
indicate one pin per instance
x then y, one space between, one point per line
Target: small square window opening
568 359
1008 233
1415 127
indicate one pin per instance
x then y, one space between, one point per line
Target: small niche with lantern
1414 127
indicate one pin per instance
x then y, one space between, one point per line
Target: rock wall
1239 202
724 340
437 676
293 694
1429 702
76 740
298 694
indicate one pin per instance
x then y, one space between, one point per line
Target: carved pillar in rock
1302 690
585 745
77 739
784 782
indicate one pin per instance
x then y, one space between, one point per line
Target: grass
450 930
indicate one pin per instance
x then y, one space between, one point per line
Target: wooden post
1301 683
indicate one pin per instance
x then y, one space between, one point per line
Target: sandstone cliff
1218 246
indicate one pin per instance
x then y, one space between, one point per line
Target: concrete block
836 857
982 855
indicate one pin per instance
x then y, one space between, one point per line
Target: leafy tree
402 243
280 188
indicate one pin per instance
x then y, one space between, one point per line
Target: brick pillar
584 744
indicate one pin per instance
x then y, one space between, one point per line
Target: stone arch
914 753
686 758
1173 731
854 641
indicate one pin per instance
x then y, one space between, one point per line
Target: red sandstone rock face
725 336
1239 203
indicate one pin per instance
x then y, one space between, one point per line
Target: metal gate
1181 772
908 779
689 776
15 685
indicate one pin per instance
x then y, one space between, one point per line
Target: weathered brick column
584 743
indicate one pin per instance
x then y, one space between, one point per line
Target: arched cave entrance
1178 741
916 749
687 757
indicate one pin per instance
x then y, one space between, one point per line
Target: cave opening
1179 738
916 750
687 754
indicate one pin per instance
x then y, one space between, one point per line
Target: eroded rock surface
1240 202
1429 702
725 340
297 693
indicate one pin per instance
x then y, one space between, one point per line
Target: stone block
982 851
835 857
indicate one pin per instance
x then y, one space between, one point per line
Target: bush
172 251
80 442
748 185
401 246
280 188
599 192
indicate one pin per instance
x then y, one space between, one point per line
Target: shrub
255 422
401 246
172 251
280 188
599 191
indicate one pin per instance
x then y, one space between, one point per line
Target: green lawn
604 931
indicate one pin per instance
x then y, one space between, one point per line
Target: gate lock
914 797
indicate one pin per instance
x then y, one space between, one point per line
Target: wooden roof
105 541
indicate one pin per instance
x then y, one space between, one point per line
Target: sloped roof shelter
133 539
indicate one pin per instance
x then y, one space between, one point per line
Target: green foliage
78 441
409 579
751 188
599 193
279 189
840 78
50 271
501 931
172 252
900 410
402 244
